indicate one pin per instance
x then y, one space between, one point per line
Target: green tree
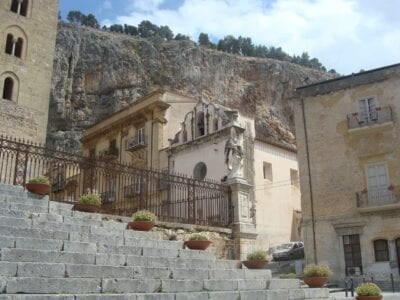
75 17
147 29
229 44
166 33
117 28
204 40
90 20
129 29
246 46
181 37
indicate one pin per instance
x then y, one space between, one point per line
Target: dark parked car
288 251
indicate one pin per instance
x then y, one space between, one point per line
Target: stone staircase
49 251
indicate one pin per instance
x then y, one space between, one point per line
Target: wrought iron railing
377 197
378 116
124 188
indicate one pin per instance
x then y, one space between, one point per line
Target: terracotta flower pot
255 264
86 207
315 281
38 188
368 297
197 245
141 225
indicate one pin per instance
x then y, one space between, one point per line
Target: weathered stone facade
168 131
273 204
349 155
28 32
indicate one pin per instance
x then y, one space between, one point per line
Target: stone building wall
25 115
278 198
339 157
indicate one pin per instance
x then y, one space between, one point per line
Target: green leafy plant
317 271
257 255
93 199
368 289
197 237
143 215
40 180
288 276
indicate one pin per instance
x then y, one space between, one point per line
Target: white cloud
347 35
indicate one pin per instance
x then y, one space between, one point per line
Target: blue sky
346 35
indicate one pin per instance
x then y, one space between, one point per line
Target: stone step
139 247
61 270
26 227
33 233
10 191
39 285
8 200
313 294
27 255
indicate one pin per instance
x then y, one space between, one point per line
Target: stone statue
233 156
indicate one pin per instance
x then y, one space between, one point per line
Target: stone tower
28 31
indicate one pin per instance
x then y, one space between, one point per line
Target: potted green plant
316 275
197 241
256 260
368 291
142 220
39 185
88 203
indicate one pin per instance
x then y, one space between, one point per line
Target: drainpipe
152 139
310 183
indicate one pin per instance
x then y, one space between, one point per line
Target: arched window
381 250
8 88
184 136
9 43
215 124
14 6
18 47
200 124
24 8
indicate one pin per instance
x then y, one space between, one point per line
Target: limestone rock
97 73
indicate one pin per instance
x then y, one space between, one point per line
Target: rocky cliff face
97 73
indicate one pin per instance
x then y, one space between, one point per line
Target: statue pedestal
243 227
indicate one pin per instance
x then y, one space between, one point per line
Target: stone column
243 227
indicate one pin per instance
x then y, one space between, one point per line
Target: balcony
381 116
135 143
109 154
382 199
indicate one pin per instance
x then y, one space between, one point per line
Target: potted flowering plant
39 185
197 241
256 260
142 220
88 203
316 275
368 291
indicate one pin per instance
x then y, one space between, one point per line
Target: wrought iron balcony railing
376 197
379 116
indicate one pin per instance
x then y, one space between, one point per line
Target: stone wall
31 72
338 157
222 244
